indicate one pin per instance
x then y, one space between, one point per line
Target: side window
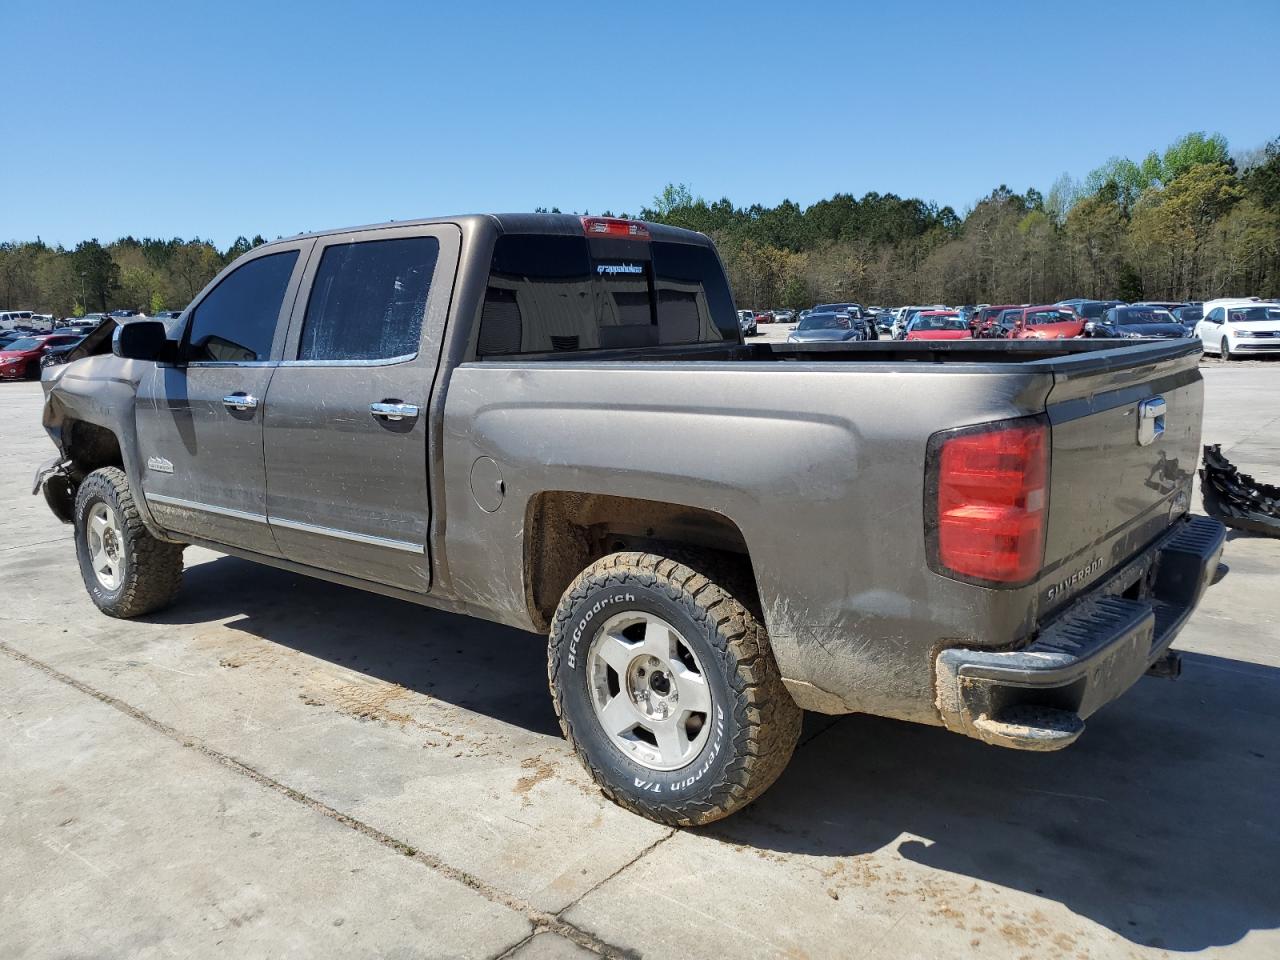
1215 316
236 322
368 300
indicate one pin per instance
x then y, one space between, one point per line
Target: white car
1237 328
14 318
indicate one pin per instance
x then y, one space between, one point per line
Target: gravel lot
282 767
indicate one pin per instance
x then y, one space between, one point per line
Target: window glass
556 293
1037 317
368 300
236 322
1247 314
694 303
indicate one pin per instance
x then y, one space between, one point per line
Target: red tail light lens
992 502
614 227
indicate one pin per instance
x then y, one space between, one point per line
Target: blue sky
217 119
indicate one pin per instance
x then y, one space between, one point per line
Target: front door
347 419
1211 328
199 421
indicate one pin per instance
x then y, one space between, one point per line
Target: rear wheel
1226 349
667 689
127 571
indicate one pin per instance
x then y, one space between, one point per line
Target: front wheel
1226 349
667 690
127 571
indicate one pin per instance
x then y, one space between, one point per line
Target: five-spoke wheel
649 691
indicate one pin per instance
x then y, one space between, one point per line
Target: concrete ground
279 767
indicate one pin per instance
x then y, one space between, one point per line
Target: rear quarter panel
821 466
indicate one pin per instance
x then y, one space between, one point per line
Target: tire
736 746
145 574
33 370
1225 347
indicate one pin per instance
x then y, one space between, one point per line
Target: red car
764 317
1047 323
20 360
938 325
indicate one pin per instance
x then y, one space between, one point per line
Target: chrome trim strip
204 507
379 362
200 364
402 545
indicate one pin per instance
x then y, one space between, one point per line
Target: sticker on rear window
612 268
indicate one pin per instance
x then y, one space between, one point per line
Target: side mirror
1090 327
143 340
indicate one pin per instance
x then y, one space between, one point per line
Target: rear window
566 294
1036 317
1143 315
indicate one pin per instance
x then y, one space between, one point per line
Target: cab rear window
550 294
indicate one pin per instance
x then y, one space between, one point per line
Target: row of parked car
1230 327
30 341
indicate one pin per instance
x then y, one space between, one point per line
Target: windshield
26 343
1037 317
1134 315
948 322
1250 314
824 321
1092 311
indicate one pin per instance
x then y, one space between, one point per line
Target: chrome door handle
393 411
240 401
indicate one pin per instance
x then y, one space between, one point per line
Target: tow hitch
1169 666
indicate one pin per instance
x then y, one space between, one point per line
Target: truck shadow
1161 824
491 669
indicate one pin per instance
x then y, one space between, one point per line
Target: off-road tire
760 721
152 568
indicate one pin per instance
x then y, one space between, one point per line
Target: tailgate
1122 461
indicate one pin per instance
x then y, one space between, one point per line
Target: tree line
1188 223
1192 221
147 275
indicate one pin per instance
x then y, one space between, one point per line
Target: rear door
347 423
200 422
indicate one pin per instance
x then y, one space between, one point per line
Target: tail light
989 492
614 227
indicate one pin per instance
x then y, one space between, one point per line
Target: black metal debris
1236 498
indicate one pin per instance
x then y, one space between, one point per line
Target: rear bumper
1038 697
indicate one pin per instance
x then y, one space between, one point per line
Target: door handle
393 411
240 401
